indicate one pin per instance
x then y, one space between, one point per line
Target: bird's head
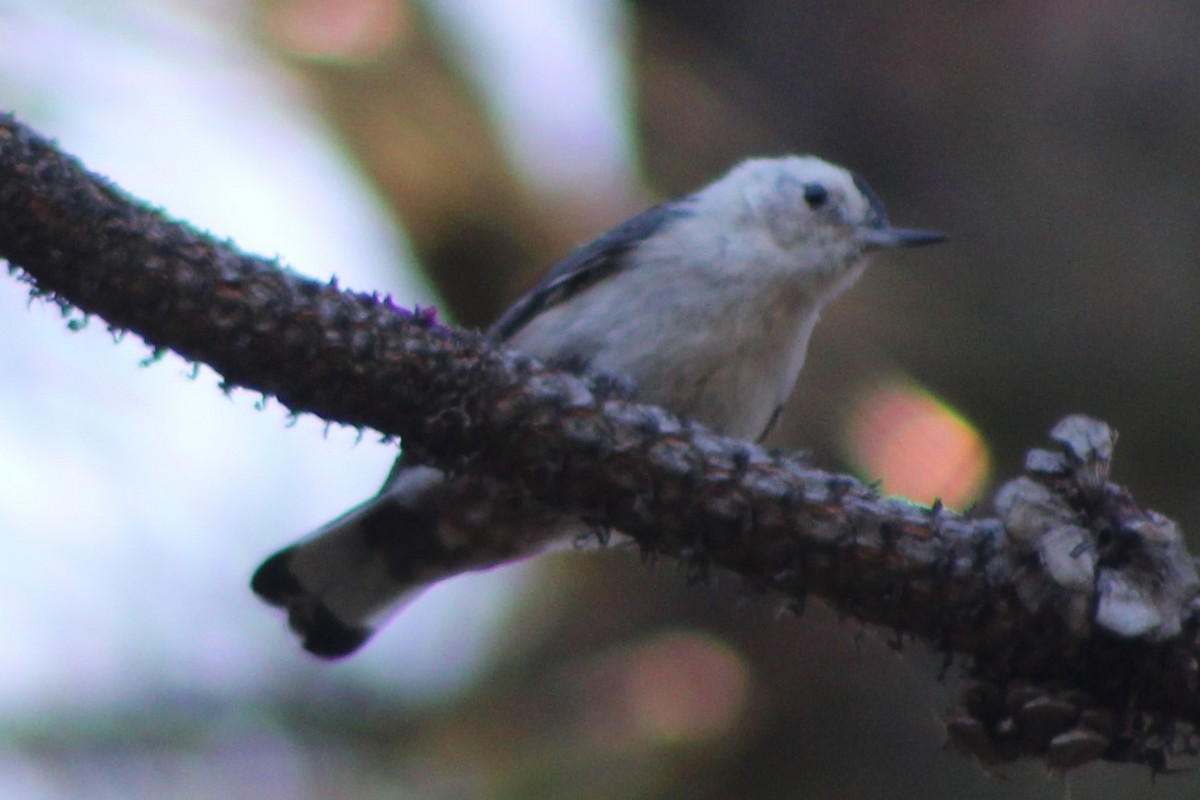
822 217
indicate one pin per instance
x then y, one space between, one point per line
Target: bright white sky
134 503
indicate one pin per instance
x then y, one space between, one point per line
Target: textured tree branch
1077 611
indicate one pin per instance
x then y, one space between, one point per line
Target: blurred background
449 150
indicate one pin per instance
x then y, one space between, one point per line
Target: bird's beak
873 238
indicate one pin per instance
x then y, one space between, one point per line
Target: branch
1076 610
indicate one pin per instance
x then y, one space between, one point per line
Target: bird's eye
815 195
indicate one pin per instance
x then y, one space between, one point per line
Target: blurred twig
1076 611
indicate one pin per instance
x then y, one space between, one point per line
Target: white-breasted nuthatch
706 303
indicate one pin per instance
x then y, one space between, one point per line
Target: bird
704 303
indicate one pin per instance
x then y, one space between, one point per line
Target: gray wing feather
587 265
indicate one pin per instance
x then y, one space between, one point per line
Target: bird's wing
587 265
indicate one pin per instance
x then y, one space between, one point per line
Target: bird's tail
343 580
